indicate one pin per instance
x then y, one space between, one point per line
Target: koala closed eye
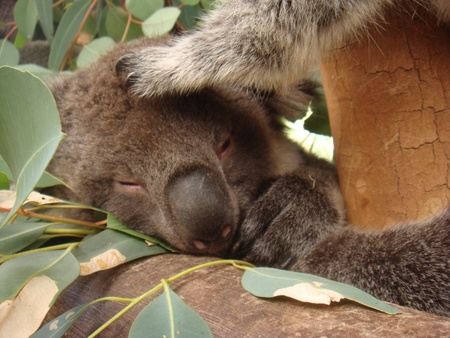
129 186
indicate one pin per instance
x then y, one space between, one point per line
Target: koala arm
408 264
265 45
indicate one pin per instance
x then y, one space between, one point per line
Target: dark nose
203 208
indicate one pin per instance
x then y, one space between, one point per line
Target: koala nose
202 206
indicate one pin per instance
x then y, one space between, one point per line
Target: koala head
183 168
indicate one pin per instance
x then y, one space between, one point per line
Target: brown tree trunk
389 101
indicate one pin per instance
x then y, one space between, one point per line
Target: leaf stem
164 284
4 258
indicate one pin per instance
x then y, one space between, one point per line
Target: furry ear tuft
294 103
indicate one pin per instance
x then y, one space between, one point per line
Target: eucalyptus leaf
9 54
269 282
189 14
161 22
39 71
142 9
48 180
116 24
4 181
30 129
190 2
168 316
45 13
93 50
110 248
25 16
58 326
115 224
66 32
30 286
15 237
4 168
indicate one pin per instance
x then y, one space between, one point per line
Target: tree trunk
389 101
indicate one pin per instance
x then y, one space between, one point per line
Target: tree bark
389 103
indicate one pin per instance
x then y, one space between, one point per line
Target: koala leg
408 264
288 218
266 45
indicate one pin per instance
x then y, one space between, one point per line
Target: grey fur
267 45
213 173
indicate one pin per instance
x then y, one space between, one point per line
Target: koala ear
292 104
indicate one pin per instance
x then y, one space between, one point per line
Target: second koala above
214 173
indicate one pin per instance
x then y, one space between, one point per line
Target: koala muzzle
203 209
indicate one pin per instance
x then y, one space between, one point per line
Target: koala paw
159 70
284 222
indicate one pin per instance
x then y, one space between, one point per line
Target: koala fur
265 45
213 172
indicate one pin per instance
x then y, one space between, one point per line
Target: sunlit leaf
93 50
65 34
9 54
161 22
142 9
30 285
168 316
15 237
268 282
115 224
45 13
25 102
25 16
110 248
58 326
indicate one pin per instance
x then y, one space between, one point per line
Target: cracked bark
389 104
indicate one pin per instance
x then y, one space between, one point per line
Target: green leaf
58 326
36 70
48 180
208 4
116 22
45 13
9 54
190 2
169 316
66 32
189 14
30 286
25 16
110 248
15 237
115 224
268 283
142 9
161 22
30 129
93 50
4 181
5 169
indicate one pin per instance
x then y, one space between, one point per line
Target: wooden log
216 295
389 102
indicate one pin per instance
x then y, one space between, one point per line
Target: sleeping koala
264 45
213 173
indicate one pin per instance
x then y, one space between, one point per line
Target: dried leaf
268 283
